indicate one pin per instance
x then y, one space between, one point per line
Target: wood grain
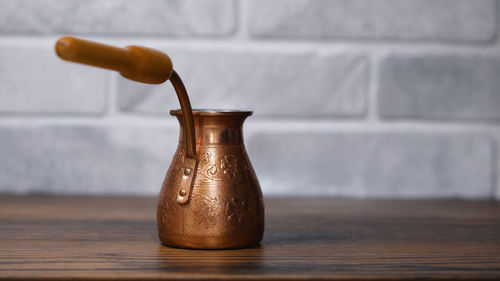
78 238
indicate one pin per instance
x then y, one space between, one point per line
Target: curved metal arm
190 161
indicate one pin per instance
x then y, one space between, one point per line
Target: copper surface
226 208
210 198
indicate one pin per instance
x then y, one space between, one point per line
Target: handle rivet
187 171
182 192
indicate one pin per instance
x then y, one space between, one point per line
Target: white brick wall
363 98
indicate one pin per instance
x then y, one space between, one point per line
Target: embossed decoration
213 169
175 167
163 215
229 166
225 209
166 214
236 211
205 210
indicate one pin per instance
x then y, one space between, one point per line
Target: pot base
210 242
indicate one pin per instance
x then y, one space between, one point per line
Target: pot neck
215 127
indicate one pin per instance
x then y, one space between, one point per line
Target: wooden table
115 238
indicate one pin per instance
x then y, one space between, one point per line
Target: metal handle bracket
187 180
190 164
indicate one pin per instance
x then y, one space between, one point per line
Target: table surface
115 238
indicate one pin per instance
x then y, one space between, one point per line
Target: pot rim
214 112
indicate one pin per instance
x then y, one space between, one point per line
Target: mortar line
495 169
497 24
242 42
283 40
240 34
260 124
496 153
372 98
112 95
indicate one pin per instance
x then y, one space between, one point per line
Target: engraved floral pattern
167 212
222 202
205 210
214 168
176 168
236 211
229 166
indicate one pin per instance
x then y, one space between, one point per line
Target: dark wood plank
115 238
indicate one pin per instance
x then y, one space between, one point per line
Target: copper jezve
211 198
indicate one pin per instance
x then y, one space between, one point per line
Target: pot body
225 207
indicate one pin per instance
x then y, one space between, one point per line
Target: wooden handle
136 63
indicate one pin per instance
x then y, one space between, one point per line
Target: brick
36 81
84 159
456 20
121 17
283 84
440 87
373 164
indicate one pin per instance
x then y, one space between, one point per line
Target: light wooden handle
136 63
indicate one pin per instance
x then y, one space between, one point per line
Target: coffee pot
210 198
